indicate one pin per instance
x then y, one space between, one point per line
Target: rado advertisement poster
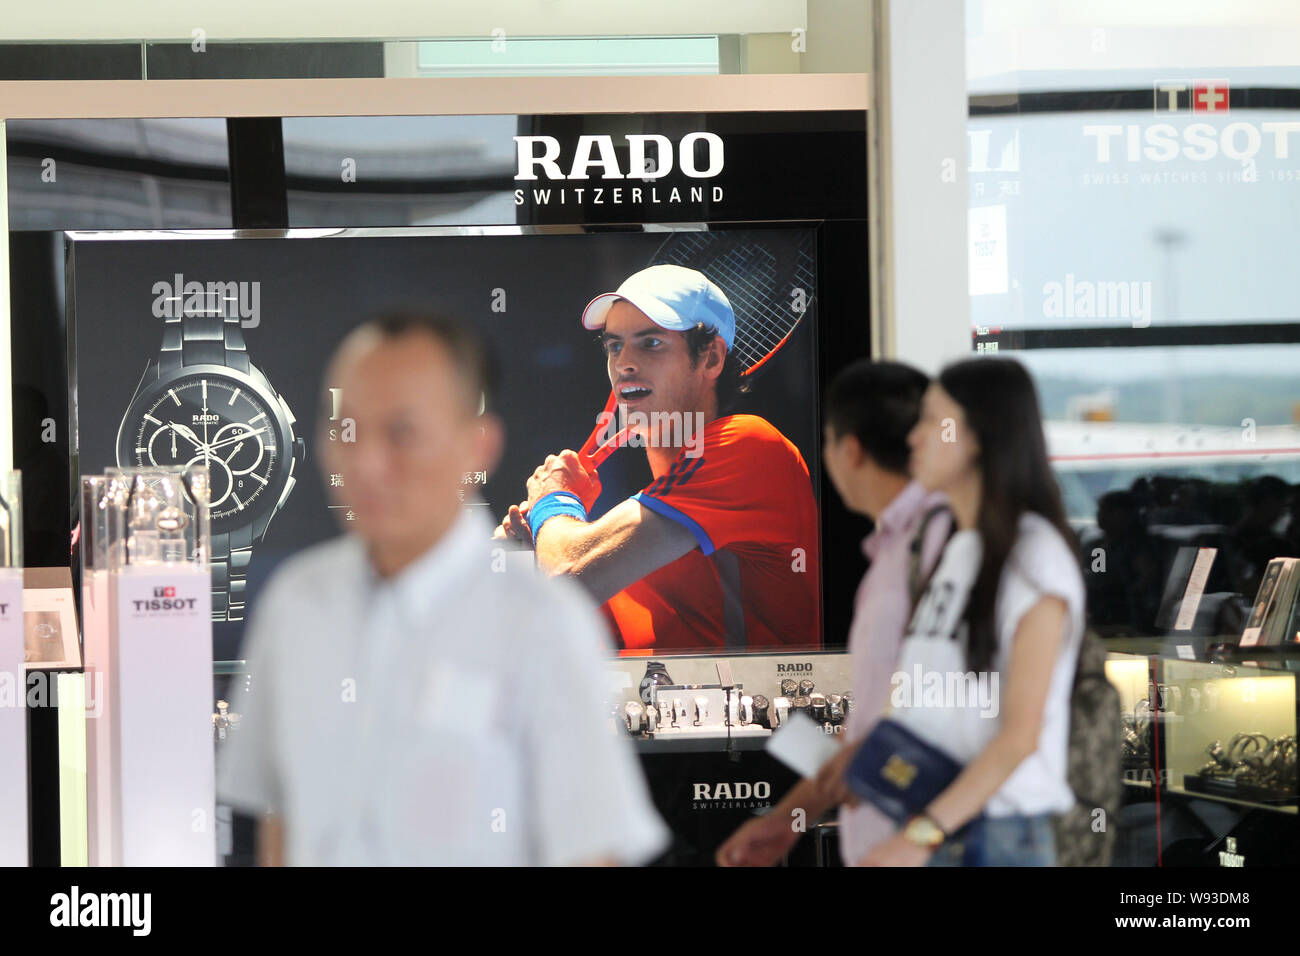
197 348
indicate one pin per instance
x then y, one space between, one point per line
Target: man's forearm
561 545
599 558
806 796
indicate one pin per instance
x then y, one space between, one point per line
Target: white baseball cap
674 297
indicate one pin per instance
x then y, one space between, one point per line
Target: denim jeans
1000 841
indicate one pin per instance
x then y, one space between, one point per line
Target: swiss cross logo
1198 96
1210 96
164 592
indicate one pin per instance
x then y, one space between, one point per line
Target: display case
1209 756
1230 730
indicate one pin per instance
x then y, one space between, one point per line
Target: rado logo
200 419
740 795
742 790
534 152
794 668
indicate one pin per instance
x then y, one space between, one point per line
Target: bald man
396 669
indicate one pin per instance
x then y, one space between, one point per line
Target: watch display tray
1233 790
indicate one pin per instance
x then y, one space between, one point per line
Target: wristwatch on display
834 712
202 402
634 715
923 831
817 704
655 674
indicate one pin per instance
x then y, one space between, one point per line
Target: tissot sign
1195 127
1197 96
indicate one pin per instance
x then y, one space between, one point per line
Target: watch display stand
13 678
158 672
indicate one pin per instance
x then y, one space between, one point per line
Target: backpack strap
916 581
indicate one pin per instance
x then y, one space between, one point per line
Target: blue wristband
552 504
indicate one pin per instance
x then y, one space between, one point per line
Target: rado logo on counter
731 796
794 668
227 300
697 155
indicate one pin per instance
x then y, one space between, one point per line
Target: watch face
201 418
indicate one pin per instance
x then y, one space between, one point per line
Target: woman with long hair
987 665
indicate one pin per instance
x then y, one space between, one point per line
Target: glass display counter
1209 755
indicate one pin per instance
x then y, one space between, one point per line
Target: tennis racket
769 277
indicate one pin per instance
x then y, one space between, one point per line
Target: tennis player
720 549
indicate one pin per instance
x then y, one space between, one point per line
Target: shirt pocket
452 793
458 700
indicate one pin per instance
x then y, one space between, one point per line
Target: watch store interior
629 458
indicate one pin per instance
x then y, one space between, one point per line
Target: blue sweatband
551 504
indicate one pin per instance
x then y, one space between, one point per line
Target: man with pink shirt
870 408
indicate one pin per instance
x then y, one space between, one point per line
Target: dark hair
877 403
731 383
470 352
1001 408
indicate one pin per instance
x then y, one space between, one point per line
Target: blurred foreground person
399 669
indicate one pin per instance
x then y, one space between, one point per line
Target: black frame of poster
805 167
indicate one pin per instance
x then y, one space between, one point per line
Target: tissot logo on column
657 171
164 600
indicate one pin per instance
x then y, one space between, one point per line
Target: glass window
1131 224
569 56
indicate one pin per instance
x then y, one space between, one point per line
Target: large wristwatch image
202 402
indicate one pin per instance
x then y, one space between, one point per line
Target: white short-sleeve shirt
936 696
452 715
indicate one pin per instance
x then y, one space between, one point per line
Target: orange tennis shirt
754 579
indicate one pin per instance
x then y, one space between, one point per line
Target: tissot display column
101 497
203 402
161 674
13 675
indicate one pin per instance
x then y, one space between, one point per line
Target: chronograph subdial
171 443
239 446
217 422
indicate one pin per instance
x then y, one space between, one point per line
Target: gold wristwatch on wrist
923 831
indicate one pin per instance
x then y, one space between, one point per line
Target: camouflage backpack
1083 836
